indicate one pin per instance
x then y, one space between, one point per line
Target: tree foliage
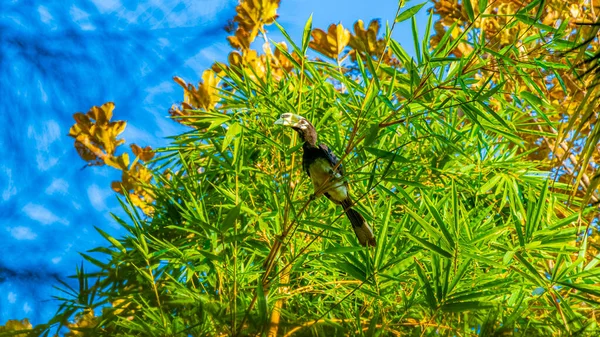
538 36
453 156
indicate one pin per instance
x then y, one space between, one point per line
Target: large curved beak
288 119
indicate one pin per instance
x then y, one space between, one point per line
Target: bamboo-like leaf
306 34
469 9
410 12
112 240
262 303
429 294
433 211
428 245
232 215
387 155
466 306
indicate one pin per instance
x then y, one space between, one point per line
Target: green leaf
233 130
467 306
591 289
371 134
433 210
429 294
232 215
425 224
112 240
342 250
415 34
469 9
352 270
428 245
306 34
262 302
94 261
386 155
409 13
482 5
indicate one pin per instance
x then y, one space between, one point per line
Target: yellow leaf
82 119
85 153
102 114
75 131
108 108
332 43
208 90
103 137
144 206
235 59
95 135
97 114
13 325
119 162
144 154
251 16
205 96
117 187
364 41
117 128
180 81
240 40
342 38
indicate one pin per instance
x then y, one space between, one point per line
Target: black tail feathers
363 232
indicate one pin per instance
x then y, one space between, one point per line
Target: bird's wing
333 160
305 164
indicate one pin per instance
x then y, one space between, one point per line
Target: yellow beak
289 119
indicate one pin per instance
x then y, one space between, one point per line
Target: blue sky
57 59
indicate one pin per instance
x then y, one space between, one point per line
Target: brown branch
284 278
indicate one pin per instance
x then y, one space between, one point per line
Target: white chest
326 181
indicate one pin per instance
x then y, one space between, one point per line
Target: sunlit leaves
95 135
410 12
144 154
251 16
84 324
204 96
250 64
332 42
366 42
125 307
515 36
134 183
240 39
96 141
13 327
257 67
120 162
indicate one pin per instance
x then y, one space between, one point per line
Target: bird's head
304 128
292 120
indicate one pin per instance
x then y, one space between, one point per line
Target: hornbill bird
327 174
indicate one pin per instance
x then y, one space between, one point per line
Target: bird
327 174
